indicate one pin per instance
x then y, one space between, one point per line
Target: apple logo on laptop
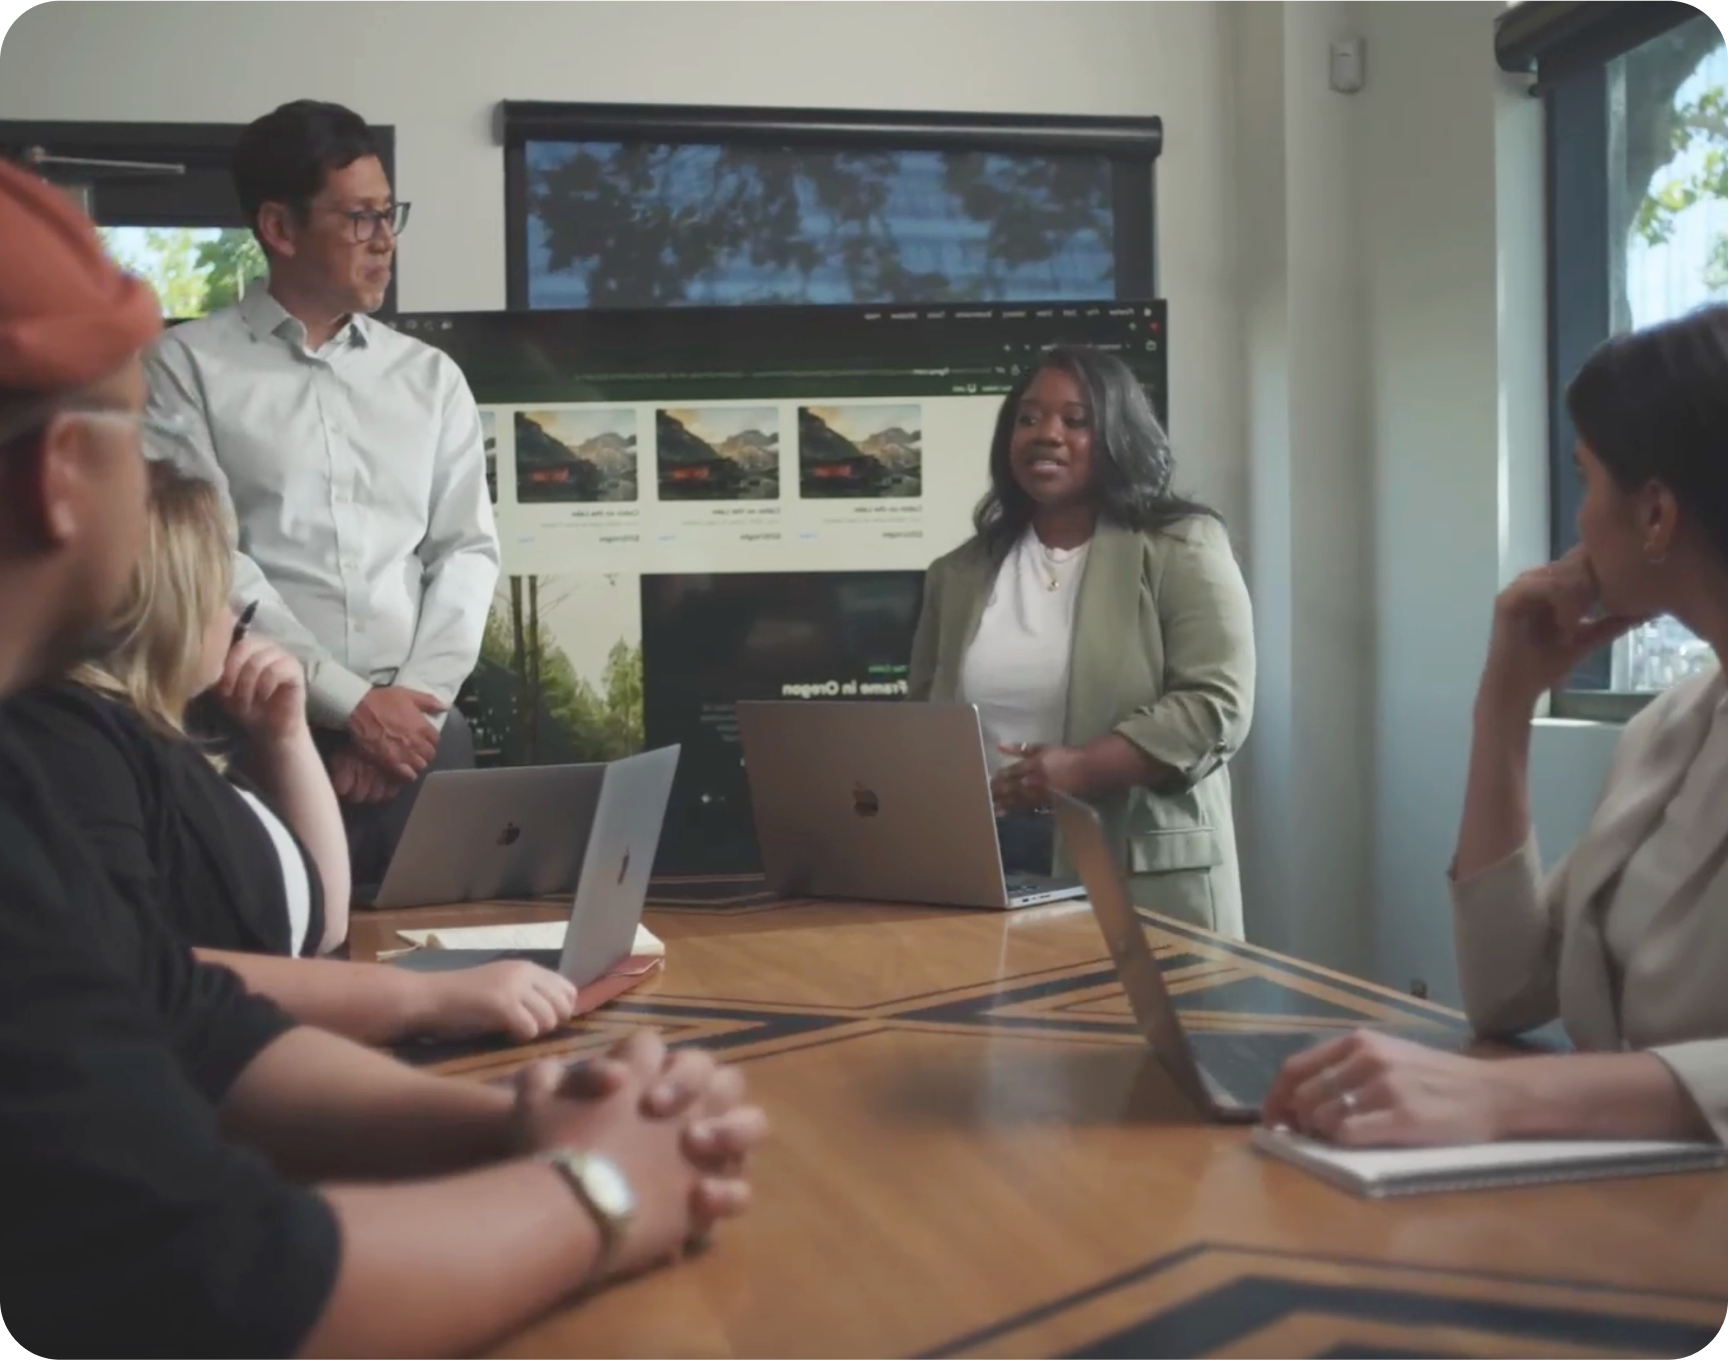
510 834
624 868
864 801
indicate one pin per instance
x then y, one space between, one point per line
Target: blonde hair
183 576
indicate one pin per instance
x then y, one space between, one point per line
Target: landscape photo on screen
559 679
718 453
576 455
860 450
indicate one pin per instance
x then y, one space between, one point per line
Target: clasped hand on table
678 1125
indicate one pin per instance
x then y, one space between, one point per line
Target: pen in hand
242 624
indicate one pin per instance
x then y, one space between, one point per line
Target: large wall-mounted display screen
661 476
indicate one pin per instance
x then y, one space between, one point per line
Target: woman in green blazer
1102 627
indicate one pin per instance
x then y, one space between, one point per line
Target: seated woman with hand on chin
1626 940
248 871
1101 626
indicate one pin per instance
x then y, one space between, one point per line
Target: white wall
1427 199
437 71
1392 296
1355 292
1308 778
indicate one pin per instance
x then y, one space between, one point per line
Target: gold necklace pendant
1050 565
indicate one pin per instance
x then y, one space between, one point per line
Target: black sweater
174 837
131 1227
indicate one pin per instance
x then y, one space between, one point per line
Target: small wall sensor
1346 66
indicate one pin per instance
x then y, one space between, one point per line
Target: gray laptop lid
622 843
884 802
1125 936
475 835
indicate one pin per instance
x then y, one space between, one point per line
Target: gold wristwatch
604 1192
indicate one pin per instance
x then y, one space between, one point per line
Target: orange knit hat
68 315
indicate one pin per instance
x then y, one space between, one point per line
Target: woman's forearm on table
1593 1095
370 1003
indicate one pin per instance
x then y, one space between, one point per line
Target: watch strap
573 1167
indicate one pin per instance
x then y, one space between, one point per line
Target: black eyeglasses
364 223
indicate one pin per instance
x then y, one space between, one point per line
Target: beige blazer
1531 948
1163 653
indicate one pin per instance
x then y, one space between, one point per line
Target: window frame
201 198
1131 144
1568 48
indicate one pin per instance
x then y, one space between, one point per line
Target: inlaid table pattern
975 1155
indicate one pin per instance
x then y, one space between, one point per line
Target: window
1636 98
194 270
615 206
163 198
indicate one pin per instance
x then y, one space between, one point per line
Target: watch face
611 1192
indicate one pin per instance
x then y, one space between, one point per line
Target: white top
1016 670
297 886
357 475
1656 875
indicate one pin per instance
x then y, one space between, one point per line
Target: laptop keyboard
1026 885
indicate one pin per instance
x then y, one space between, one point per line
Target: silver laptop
477 835
1227 1074
613 885
879 802
621 848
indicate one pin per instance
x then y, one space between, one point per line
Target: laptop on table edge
612 888
481 835
879 802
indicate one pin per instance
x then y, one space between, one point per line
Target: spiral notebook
1378 1173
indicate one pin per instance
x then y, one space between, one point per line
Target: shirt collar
264 317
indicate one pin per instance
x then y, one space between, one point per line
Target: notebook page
1475 1162
533 935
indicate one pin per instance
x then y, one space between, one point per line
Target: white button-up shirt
357 478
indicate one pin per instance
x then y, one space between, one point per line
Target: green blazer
1163 653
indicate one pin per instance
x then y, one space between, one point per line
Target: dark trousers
375 828
1028 841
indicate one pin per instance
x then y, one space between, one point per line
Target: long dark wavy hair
1132 465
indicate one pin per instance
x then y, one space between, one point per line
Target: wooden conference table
974 1156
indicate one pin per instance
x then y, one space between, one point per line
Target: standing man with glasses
354 460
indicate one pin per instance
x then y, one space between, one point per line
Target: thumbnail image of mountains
860 452
582 455
718 453
489 432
